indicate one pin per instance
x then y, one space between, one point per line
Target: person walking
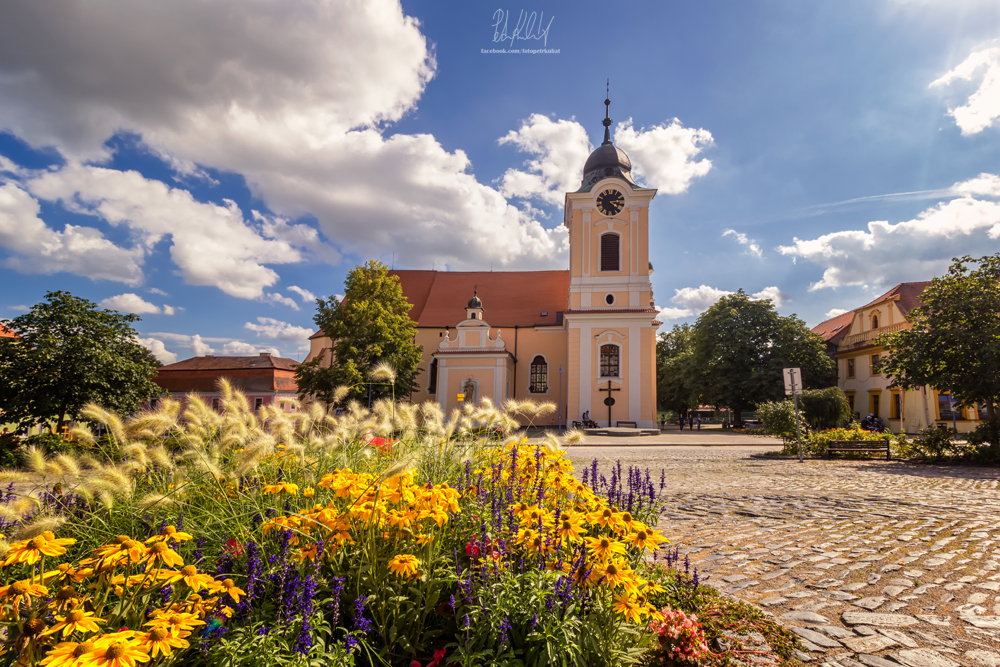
681 422
691 422
699 422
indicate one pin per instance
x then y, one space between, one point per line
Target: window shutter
609 252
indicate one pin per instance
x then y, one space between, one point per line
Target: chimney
265 354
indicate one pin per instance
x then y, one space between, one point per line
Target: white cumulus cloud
200 347
278 297
267 327
753 248
917 249
296 97
240 348
130 303
983 106
834 312
304 294
777 297
664 155
158 349
561 148
691 301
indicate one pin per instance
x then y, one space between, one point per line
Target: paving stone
854 586
865 630
900 637
816 638
869 644
771 601
871 604
774 575
894 607
805 617
883 620
875 661
985 622
800 594
834 631
732 579
934 620
925 657
804 657
893 591
982 658
840 596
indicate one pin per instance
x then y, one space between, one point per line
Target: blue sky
214 166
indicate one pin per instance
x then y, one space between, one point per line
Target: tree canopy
954 343
67 353
674 377
369 326
741 345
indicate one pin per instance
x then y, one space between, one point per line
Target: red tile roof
210 363
6 333
521 298
510 298
834 329
909 295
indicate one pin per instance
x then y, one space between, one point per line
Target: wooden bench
621 424
859 446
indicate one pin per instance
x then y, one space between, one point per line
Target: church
583 339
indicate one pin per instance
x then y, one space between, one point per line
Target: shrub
935 442
10 451
825 408
680 640
778 419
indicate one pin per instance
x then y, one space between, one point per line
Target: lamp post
560 399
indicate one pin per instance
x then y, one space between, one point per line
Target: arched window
539 376
432 381
610 251
609 361
874 321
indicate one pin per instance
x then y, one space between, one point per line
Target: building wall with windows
264 379
869 392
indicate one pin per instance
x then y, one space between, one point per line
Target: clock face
610 202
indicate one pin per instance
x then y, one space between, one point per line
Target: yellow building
583 339
851 336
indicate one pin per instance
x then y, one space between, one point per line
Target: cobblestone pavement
871 563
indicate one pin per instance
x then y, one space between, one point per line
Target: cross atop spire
607 114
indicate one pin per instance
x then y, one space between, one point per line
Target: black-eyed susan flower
30 551
646 538
282 487
405 565
22 592
160 641
629 607
175 621
230 588
75 620
114 651
189 575
170 534
161 553
604 547
68 654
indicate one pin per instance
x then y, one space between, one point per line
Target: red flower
472 549
438 658
233 547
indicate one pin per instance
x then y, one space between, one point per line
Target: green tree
954 344
371 325
674 389
69 353
740 346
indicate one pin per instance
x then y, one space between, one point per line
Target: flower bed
290 538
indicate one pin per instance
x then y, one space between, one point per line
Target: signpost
793 386
461 398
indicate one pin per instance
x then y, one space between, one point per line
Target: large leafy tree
67 353
369 326
954 344
674 377
741 345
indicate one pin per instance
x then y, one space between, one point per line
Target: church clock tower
610 315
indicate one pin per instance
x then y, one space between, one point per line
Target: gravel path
871 563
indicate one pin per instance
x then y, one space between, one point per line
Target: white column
442 388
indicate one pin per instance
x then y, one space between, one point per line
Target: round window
609 299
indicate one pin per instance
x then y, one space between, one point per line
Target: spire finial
607 114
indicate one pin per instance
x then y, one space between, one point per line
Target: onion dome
607 161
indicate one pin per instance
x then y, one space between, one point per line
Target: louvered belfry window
609 252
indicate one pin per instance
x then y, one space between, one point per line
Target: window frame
544 375
872 360
432 377
851 370
258 403
600 252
